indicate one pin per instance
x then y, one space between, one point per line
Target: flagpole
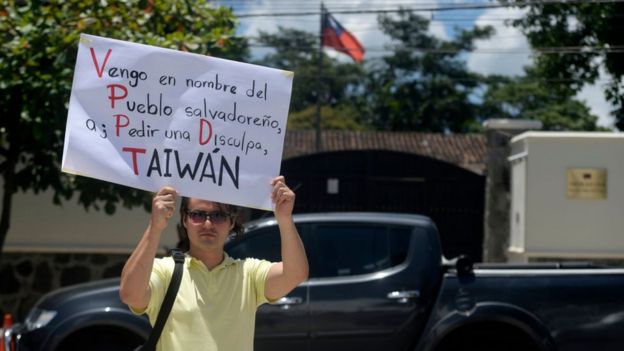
319 85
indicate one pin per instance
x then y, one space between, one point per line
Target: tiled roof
465 150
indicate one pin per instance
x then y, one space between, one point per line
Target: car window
354 249
399 244
342 249
262 243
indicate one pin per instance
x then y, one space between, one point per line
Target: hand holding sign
163 207
147 117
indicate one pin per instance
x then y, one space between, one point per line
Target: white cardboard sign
146 117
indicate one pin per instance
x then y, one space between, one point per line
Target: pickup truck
378 281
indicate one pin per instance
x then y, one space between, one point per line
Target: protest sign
146 117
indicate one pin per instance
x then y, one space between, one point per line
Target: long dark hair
183 240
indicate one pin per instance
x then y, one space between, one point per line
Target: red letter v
97 67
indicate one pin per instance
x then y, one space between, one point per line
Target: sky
506 52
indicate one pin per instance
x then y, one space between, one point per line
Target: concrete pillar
498 184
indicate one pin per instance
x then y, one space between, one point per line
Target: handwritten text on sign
146 117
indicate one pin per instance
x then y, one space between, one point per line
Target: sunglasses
215 217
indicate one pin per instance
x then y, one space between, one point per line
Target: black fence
386 181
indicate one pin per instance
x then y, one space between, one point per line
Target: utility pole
319 83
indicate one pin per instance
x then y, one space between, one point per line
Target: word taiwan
169 163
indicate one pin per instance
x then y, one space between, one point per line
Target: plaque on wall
587 183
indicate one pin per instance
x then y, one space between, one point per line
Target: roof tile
465 150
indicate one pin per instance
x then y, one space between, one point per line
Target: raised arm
134 289
293 270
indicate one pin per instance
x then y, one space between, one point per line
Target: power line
429 9
613 49
513 79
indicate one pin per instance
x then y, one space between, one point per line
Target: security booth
567 193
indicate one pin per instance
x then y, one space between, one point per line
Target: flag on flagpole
335 36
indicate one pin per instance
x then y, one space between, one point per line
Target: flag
335 36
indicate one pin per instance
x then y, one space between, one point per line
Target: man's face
207 225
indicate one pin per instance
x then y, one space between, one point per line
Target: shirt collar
192 261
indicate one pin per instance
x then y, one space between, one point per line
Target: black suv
362 293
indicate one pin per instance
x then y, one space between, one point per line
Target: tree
37 57
341 117
424 84
526 97
574 41
298 51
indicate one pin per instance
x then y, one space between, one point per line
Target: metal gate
387 181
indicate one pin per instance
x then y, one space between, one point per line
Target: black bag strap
170 296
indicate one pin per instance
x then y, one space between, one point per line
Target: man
218 297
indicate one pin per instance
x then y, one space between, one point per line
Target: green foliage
595 27
526 98
341 117
37 58
298 51
424 84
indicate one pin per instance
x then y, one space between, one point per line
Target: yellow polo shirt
214 309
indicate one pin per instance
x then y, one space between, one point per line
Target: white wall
37 225
558 226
